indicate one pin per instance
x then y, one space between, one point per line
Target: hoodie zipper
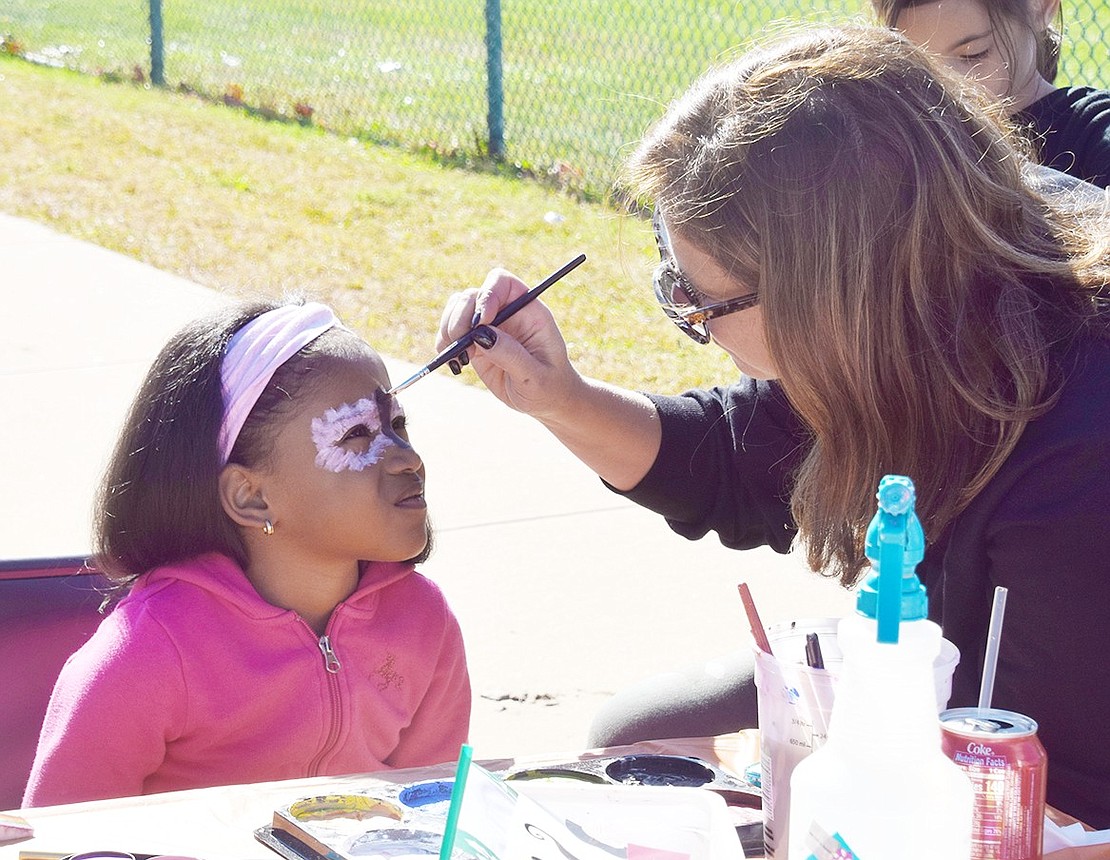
331 662
332 665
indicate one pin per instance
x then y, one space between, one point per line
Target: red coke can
1008 769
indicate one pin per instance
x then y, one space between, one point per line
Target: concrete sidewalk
566 592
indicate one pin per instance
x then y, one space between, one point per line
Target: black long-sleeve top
1071 127
1041 528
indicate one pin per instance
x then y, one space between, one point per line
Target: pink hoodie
194 680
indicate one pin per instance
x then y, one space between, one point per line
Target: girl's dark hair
159 500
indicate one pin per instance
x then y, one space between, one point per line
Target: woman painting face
961 33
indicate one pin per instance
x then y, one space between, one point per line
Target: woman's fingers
523 361
469 308
459 307
499 288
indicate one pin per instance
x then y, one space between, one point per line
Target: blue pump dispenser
881 784
895 545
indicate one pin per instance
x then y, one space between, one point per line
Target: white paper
1071 836
553 820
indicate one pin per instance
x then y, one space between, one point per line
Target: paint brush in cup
759 633
463 343
814 658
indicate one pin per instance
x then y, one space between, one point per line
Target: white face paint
351 436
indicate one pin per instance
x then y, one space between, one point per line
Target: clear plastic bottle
881 788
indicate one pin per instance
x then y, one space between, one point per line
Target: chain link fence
557 90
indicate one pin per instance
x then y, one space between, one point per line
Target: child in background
265 510
1013 49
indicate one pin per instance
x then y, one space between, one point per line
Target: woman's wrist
614 431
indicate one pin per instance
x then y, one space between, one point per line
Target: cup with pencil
795 691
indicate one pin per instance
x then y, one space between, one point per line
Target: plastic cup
795 703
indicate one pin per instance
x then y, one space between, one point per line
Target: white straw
990 659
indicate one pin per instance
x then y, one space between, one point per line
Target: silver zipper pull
331 662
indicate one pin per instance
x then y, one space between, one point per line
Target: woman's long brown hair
913 286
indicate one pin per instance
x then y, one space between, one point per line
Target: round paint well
659 770
426 793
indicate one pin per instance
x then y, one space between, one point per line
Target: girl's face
739 334
960 33
343 482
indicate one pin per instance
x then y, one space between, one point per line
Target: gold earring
268 528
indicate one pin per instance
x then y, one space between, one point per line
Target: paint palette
386 821
390 820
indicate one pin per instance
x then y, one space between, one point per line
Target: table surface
219 823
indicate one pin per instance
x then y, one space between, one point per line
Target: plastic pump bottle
881 788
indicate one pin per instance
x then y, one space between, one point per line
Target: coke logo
979 749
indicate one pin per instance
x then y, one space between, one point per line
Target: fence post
157 60
495 117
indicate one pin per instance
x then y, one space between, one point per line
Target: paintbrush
758 631
464 342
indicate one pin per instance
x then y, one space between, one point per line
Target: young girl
1012 48
265 509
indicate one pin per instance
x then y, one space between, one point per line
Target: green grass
581 79
254 207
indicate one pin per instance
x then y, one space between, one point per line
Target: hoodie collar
225 579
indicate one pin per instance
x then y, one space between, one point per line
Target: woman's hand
526 366
613 431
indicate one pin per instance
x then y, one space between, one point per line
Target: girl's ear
242 497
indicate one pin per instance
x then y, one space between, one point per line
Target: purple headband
256 351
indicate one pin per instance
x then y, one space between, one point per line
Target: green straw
466 753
